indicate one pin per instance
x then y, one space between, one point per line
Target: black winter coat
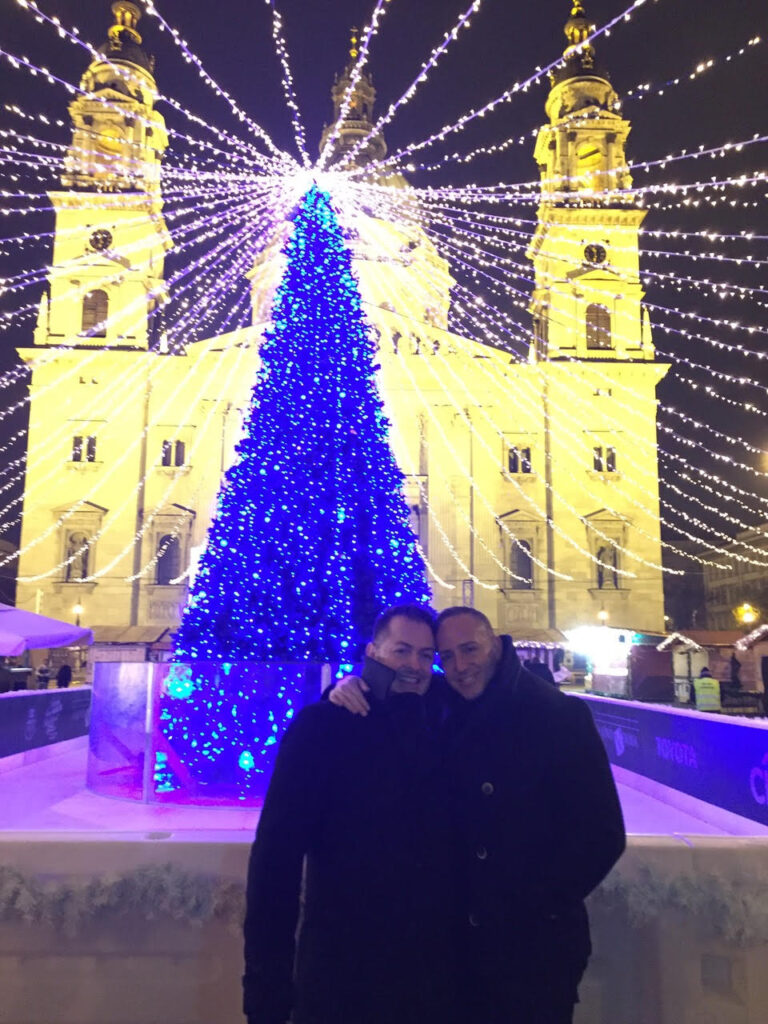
540 825
361 799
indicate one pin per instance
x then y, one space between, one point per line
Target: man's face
469 653
408 647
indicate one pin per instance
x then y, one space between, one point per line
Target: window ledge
621 592
519 477
173 471
606 477
67 586
98 464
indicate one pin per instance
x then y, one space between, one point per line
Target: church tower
110 237
593 348
397 265
91 438
357 124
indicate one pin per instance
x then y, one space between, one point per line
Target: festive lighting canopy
460 93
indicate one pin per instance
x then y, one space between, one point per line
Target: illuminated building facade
533 485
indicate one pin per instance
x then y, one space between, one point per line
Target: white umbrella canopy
25 631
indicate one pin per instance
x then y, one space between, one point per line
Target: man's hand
349 693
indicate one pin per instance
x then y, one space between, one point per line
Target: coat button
487 788
474 920
481 853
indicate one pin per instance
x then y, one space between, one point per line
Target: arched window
522 566
598 326
76 567
95 312
607 576
169 559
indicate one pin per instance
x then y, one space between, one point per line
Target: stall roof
654 639
129 634
704 638
21 631
538 636
715 637
755 637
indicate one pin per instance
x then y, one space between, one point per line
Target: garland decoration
736 911
151 892
733 909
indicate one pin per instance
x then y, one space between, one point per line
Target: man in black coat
361 801
537 822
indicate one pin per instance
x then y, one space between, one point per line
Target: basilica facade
532 485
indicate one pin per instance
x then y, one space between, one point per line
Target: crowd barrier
30 719
722 761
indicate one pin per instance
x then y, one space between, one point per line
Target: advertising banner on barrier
721 761
37 718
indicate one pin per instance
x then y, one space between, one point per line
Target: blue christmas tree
310 540
311 537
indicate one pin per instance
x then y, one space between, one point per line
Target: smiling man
539 821
360 802
536 823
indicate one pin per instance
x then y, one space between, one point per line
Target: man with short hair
537 819
360 799
540 821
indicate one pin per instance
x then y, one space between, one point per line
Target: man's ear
369 649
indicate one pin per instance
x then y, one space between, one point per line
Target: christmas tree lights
311 539
226 182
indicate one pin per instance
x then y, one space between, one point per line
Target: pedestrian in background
64 676
43 675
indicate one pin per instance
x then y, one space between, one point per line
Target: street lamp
603 616
78 610
746 614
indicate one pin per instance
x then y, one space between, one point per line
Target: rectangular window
173 453
519 460
522 565
604 459
83 448
541 331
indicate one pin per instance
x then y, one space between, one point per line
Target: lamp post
78 611
747 614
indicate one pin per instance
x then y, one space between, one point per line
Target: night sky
507 40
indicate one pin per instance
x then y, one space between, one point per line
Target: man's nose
461 662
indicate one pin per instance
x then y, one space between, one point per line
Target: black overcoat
540 825
362 799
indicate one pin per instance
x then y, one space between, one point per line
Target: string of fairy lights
575 436
220 197
629 409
